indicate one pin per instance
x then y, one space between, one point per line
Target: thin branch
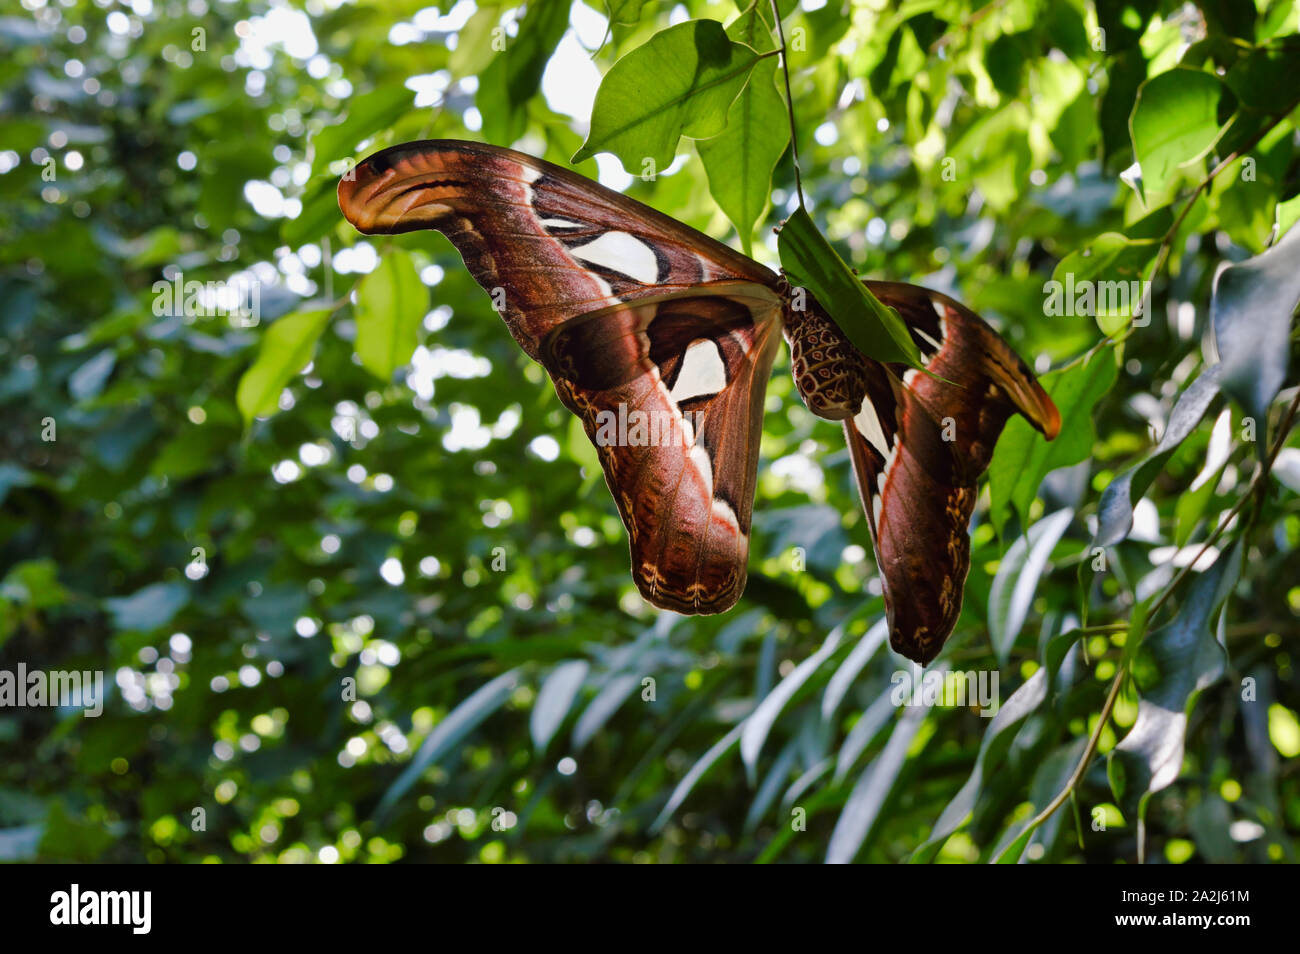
789 103
1076 776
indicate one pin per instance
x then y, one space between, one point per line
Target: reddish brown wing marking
631 313
918 446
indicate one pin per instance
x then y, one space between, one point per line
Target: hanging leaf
810 262
693 776
864 732
871 790
554 700
853 664
1115 511
740 161
993 749
448 733
777 776
1252 310
680 83
391 304
515 73
1187 658
602 708
1174 121
286 348
1051 776
760 722
1017 579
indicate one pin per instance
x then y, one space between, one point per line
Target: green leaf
740 161
1115 511
368 114
1257 78
1174 121
1051 776
871 789
1016 581
993 749
680 83
694 774
89 379
391 304
448 733
1187 658
1103 280
625 11
515 73
771 787
1251 311
848 671
554 700
286 349
1022 459
810 262
602 708
760 722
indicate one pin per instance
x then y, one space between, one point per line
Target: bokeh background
358 617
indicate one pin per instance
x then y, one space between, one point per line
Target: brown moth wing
631 313
918 446
556 243
690 371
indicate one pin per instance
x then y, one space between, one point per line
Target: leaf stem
789 103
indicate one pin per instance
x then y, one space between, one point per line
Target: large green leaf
449 732
391 303
1186 657
993 749
555 699
1174 121
810 262
1115 511
1022 458
286 349
1017 578
680 83
739 162
1252 311
515 73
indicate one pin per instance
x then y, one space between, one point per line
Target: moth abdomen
829 373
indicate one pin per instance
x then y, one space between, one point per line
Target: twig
789 104
1077 775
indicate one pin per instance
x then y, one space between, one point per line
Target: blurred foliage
351 572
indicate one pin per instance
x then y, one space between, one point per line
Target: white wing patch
868 426
623 253
702 372
937 345
561 224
